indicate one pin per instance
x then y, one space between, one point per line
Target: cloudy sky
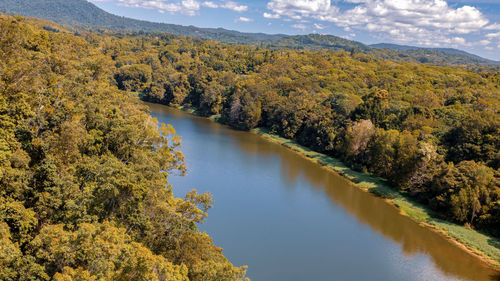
471 25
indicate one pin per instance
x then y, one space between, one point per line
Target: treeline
83 171
83 168
397 53
433 132
83 14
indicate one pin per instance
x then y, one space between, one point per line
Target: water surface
289 219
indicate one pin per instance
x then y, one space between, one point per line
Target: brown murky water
290 219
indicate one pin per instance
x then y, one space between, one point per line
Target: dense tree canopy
84 193
83 170
414 124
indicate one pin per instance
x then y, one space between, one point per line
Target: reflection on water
334 239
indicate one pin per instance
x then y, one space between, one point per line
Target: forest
86 15
84 193
84 169
432 132
82 13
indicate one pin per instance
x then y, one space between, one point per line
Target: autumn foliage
83 171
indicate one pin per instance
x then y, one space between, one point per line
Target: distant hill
400 53
81 13
450 51
449 55
317 42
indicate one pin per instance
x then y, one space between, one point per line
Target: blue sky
470 25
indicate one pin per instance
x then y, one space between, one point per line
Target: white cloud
187 7
350 36
190 5
459 40
484 42
427 22
495 26
319 26
210 4
243 19
302 7
299 26
493 35
234 6
271 16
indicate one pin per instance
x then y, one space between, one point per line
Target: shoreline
417 212
471 241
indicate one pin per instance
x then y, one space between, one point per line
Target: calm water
290 219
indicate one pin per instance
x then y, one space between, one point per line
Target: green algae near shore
484 246
328 217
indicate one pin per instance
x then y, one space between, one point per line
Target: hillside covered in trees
438 56
433 132
83 167
82 14
83 172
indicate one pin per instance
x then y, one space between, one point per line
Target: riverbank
484 247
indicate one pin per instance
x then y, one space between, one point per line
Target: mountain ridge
81 13
451 51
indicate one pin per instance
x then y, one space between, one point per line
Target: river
289 219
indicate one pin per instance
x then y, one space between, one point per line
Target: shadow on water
375 212
363 206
